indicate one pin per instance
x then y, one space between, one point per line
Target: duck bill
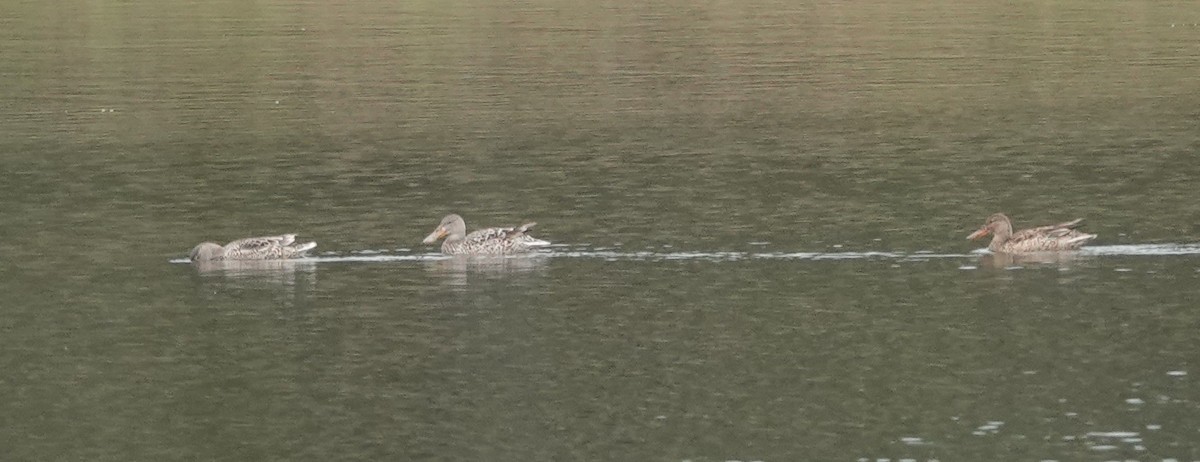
978 234
434 236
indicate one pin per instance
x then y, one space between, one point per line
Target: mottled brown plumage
1062 236
253 248
487 241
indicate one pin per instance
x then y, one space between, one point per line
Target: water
759 212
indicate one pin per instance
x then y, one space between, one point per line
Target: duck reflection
459 269
287 272
1001 260
289 282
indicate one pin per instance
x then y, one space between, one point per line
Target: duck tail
1081 239
305 247
532 242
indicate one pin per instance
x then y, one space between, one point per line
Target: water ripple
563 251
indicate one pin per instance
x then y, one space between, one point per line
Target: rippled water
758 210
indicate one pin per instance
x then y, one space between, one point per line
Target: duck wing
495 241
498 234
1062 236
267 247
262 242
1059 230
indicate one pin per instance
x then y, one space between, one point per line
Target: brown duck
1062 236
253 248
487 241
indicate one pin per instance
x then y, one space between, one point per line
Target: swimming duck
1062 236
487 241
253 248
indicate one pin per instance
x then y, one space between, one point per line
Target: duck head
207 251
998 225
452 228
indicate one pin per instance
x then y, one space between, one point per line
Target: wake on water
615 254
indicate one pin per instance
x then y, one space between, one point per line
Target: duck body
487 241
1050 238
280 247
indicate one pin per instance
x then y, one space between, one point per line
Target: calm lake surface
759 211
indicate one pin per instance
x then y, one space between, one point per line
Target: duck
1062 236
280 247
486 241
